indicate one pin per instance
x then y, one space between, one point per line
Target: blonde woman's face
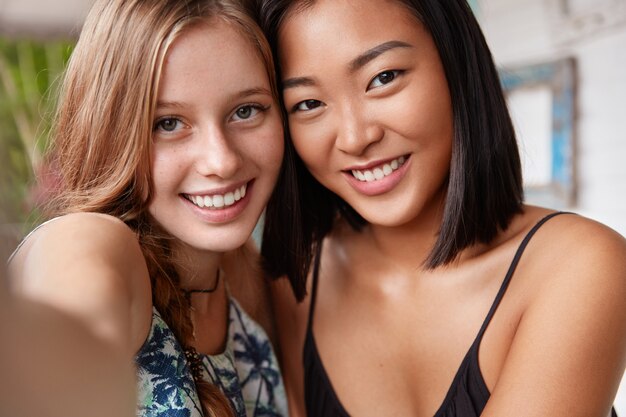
217 139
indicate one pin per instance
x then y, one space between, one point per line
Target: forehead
345 27
211 41
215 53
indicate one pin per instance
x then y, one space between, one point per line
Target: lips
378 172
379 177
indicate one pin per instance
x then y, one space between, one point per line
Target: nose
217 154
357 130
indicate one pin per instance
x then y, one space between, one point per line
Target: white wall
521 32
42 18
525 31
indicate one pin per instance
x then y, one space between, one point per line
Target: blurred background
36 39
562 66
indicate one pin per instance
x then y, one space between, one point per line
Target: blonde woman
168 142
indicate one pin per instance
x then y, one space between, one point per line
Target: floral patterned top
247 372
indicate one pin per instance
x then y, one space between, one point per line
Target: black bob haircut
484 184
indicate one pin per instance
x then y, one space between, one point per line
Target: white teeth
218 201
358 174
379 172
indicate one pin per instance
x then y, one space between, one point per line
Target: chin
216 241
224 244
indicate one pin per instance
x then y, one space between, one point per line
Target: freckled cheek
269 146
157 165
273 157
166 168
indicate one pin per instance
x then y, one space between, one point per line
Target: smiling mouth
218 201
379 172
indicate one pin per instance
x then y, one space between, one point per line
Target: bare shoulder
569 350
574 249
85 240
91 266
77 231
580 257
584 232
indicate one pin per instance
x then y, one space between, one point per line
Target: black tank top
466 397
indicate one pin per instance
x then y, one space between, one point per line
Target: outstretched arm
53 366
80 310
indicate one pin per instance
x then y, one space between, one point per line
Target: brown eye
386 77
307 105
383 78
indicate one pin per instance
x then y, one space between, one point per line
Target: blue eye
307 105
383 78
248 111
167 124
245 112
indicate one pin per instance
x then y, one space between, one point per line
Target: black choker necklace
206 290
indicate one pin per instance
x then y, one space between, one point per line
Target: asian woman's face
368 105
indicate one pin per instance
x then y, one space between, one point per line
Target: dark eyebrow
297 82
354 65
361 60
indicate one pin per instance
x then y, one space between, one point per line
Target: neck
197 269
408 245
206 290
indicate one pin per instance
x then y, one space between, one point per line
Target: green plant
29 73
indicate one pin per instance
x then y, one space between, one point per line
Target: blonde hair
101 137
